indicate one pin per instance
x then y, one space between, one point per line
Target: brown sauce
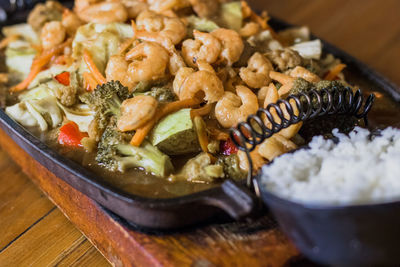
385 112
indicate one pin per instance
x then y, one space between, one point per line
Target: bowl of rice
338 199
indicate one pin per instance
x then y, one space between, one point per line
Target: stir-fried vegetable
136 85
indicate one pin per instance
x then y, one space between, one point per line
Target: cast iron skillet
230 197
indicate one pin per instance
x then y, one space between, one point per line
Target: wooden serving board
251 243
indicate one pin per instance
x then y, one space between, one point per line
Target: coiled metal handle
282 114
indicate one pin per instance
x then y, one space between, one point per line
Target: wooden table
33 231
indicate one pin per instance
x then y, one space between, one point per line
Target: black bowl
340 235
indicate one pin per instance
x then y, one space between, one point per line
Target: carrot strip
39 63
93 68
90 81
218 134
162 111
141 133
201 111
4 43
334 72
200 127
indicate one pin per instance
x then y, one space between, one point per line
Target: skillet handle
235 199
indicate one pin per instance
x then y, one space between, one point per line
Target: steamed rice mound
357 170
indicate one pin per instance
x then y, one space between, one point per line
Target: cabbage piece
231 15
101 40
175 134
19 58
48 74
42 112
309 50
39 92
264 42
24 30
201 24
20 113
81 114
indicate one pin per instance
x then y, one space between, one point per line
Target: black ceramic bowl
359 235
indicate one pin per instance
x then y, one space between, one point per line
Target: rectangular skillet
229 197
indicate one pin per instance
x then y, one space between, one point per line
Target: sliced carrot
93 68
39 63
334 72
90 81
4 43
200 127
201 111
162 111
217 134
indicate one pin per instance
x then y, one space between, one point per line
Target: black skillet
230 197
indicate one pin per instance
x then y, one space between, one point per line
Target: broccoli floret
106 101
116 154
162 94
344 123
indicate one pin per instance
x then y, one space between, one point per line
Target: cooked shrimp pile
145 81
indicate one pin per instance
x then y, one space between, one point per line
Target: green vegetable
309 50
200 24
231 167
175 134
19 58
24 30
162 94
231 15
101 40
106 101
116 154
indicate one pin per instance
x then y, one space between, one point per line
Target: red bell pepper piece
70 135
228 147
63 78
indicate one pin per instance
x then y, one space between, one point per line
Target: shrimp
275 146
232 45
287 81
155 27
53 33
70 21
272 96
250 29
116 70
300 72
145 62
200 84
256 74
232 108
180 78
134 7
136 112
205 8
164 5
204 47
256 158
102 12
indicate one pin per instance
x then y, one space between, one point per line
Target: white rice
355 171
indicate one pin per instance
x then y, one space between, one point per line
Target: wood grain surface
33 231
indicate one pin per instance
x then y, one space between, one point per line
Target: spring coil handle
252 132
